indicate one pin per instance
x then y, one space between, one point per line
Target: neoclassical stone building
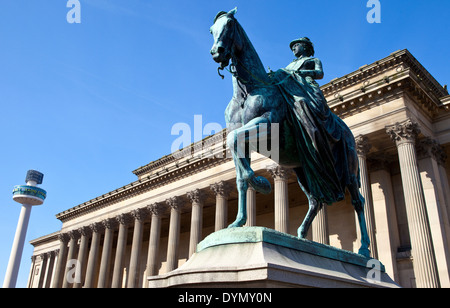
400 117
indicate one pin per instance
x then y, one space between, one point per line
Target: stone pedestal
261 257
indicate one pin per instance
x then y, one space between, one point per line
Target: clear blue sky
88 103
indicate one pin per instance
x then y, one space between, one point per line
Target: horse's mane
257 65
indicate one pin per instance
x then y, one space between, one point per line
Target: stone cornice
380 66
389 77
159 165
445 100
45 239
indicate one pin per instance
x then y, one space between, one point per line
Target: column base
261 257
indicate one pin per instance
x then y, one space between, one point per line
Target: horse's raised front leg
241 141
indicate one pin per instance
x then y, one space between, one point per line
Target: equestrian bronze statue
315 143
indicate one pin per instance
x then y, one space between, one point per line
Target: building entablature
371 84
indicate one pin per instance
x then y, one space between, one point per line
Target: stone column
91 270
82 255
156 210
110 225
62 259
175 204
51 256
319 227
425 269
251 207
430 156
44 258
73 245
197 198
281 176
385 216
139 218
124 220
31 274
362 148
221 190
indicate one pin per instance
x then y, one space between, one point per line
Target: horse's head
223 30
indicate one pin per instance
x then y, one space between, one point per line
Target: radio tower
28 195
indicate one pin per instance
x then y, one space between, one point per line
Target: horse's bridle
235 61
221 68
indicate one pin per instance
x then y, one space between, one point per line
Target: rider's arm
316 73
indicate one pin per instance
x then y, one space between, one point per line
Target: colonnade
426 214
76 263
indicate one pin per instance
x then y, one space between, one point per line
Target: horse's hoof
239 222
236 224
301 233
261 184
364 252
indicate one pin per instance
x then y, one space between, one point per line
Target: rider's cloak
325 144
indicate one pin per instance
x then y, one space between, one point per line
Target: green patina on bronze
270 236
313 141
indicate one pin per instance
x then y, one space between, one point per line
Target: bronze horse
312 141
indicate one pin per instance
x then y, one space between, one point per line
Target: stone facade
400 116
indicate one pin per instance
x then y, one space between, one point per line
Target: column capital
406 131
140 214
362 145
221 188
278 172
175 203
110 223
196 196
428 147
97 227
50 254
85 231
124 219
157 209
64 237
74 234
